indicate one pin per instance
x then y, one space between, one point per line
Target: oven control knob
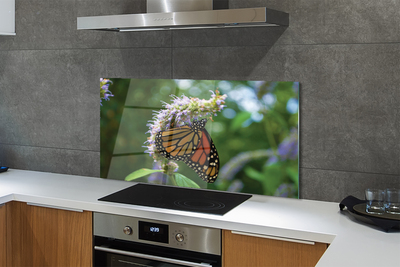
179 237
127 230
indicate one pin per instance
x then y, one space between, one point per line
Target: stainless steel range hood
186 14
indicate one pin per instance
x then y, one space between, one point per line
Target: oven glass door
122 261
120 258
114 252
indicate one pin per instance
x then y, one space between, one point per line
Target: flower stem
172 179
270 137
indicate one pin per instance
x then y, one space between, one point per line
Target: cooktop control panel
173 235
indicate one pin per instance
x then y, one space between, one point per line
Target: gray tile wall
345 54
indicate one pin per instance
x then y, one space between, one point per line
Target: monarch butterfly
192 145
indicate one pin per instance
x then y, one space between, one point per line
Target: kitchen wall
345 54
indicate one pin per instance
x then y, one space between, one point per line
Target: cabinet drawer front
42 236
253 250
3 235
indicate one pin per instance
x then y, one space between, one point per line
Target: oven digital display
153 232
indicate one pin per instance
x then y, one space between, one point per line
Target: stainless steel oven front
129 241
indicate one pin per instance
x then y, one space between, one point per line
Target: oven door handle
151 257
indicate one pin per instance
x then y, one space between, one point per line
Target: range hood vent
186 14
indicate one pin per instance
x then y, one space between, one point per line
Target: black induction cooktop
178 198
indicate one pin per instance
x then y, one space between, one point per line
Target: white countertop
351 243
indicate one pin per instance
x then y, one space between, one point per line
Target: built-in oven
128 241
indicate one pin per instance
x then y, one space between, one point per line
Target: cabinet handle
275 238
53 207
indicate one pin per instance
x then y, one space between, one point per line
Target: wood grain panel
3 227
17 235
48 237
242 251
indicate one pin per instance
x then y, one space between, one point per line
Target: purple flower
236 186
289 149
286 190
105 93
180 112
272 160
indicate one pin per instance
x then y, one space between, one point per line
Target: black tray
360 208
350 202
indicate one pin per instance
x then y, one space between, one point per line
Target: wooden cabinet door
38 236
3 243
241 251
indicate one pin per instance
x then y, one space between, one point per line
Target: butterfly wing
204 161
194 146
178 143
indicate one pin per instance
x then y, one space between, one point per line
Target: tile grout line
171 46
49 147
361 172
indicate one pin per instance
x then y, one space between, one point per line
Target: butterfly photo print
237 136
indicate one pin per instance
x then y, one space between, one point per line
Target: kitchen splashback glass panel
236 136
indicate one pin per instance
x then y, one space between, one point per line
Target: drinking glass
375 201
392 201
